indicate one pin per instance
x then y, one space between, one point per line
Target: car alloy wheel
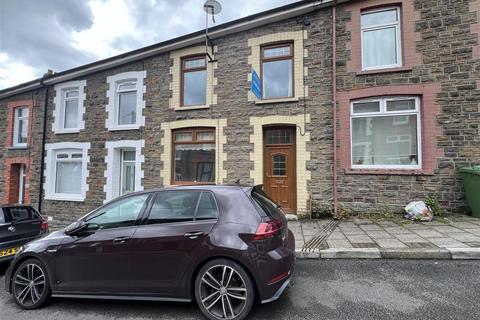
30 285
224 291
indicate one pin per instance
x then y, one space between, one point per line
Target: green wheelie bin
471 180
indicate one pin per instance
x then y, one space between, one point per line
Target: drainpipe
44 136
334 98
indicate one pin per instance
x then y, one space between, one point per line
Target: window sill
393 172
18 148
123 128
67 131
280 100
63 197
386 70
191 108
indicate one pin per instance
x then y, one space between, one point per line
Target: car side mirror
75 228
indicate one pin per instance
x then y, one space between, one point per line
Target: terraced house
363 104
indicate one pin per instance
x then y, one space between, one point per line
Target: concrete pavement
455 237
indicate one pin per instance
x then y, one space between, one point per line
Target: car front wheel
224 290
31 287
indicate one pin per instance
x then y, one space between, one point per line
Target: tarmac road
322 289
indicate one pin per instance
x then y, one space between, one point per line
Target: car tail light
44 225
268 229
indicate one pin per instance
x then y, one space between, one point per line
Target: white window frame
113 163
384 113
397 26
112 107
16 123
122 171
52 150
58 125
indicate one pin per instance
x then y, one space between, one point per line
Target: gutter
195 38
334 98
44 137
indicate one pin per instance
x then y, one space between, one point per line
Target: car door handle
120 240
193 235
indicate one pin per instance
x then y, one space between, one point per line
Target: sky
37 35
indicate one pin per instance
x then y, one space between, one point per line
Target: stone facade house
363 104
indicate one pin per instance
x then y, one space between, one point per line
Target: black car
223 246
19 224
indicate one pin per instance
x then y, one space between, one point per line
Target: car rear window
21 214
265 206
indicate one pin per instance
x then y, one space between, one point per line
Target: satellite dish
212 7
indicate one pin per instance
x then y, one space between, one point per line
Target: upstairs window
194 81
20 127
277 71
127 103
386 133
70 109
381 45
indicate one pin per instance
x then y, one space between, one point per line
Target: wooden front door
280 166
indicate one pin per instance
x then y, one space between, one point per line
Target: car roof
209 187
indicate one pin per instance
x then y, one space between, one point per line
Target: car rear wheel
30 286
224 290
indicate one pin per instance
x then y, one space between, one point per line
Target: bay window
194 155
380 33
20 127
277 71
385 133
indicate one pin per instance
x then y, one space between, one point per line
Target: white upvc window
20 127
125 101
386 133
69 107
66 171
381 39
124 172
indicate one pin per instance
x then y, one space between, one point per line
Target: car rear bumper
280 264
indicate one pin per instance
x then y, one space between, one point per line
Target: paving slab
429 233
379 234
339 243
368 227
464 237
397 230
406 238
336 235
359 239
447 243
390 243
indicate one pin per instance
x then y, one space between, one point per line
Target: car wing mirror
75 228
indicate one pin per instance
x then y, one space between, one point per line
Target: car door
99 259
170 236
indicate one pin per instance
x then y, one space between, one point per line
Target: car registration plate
8 252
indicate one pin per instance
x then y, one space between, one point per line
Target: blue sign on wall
256 87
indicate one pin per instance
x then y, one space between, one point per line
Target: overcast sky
36 35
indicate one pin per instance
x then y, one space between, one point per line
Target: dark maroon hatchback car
224 246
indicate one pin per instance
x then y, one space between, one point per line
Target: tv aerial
211 7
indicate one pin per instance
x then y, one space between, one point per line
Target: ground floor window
66 171
194 155
385 133
127 171
21 183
